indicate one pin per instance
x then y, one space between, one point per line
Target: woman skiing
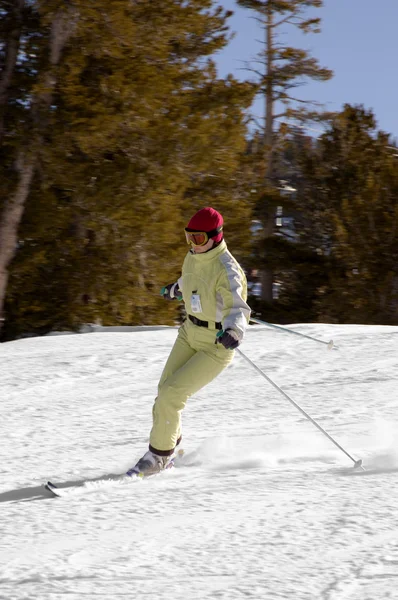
214 290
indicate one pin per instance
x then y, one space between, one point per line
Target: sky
358 41
261 506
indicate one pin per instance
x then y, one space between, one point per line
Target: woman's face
205 248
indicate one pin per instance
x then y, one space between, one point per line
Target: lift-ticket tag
195 303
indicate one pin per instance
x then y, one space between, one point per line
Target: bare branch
283 21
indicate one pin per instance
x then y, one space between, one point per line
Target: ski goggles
200 238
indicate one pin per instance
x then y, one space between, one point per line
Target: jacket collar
213 253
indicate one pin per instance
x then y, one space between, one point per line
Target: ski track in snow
261 506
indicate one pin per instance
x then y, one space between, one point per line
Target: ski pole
357 463
330 344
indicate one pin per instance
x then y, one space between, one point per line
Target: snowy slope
262 506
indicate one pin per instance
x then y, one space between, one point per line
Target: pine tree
37 80
281 70
351 209
138 136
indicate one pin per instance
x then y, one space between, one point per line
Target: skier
214 289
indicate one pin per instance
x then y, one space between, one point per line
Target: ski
88 486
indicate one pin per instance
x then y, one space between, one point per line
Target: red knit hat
207 219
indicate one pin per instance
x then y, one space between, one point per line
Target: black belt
200 323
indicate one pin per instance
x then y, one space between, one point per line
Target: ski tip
53 489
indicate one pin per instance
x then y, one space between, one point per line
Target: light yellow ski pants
194 361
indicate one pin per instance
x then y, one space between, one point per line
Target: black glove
228 338
171 292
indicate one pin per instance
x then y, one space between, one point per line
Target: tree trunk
11 218
267 280
269 218
10 58
269 99
62 26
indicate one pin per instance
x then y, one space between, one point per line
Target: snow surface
262 505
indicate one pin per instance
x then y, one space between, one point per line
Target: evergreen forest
115 127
